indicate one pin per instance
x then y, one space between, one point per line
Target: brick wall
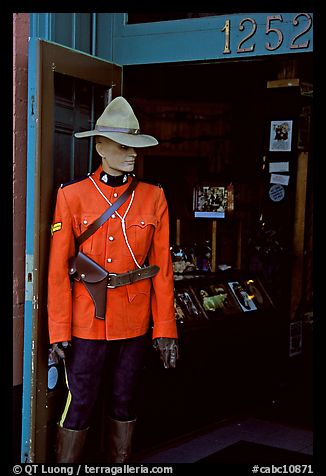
20 60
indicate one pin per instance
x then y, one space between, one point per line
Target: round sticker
53 375
276 193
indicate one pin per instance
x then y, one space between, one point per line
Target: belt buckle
109 278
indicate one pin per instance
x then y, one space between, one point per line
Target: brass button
113 216
109 260
111 238
142 222
85 222
115 194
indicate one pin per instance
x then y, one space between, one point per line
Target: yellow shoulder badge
56 227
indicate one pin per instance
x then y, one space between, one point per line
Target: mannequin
134 237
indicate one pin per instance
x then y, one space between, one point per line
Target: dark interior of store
213 123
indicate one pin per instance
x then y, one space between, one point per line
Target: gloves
169 350
59 348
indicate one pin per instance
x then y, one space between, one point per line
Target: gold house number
273 24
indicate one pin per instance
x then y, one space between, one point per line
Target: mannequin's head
117 135
117 159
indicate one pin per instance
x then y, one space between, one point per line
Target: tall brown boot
69 444
120 440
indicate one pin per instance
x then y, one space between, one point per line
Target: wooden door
66 91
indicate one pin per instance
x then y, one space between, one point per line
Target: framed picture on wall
210 201
280 136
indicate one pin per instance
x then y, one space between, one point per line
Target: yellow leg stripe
68 401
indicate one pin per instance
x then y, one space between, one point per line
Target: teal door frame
32 244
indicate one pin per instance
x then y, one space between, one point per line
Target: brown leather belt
115 280
97 279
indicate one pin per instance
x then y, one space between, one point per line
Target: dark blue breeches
92 365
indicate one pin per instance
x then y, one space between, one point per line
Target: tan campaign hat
119 123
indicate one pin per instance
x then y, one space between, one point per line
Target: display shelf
201 298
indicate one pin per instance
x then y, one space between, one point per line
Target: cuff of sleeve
166 328
60 335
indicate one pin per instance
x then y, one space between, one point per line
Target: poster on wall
280 136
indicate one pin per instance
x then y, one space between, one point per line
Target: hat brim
130 140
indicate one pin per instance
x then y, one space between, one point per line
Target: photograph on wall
280 136
216 300
189 306
210 201
242 297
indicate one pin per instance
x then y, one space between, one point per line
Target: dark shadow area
248 452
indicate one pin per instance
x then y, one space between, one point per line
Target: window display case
212 296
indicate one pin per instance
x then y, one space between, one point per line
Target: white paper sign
281 179
279 166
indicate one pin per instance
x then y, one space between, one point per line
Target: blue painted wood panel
199 39
104 36
87 32
64 29
31 245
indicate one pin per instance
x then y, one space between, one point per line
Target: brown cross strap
106 215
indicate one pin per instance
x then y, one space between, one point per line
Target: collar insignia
104 178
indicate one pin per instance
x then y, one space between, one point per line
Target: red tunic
128 308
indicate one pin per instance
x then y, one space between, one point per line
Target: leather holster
95 278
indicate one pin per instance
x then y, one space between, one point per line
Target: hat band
117 129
